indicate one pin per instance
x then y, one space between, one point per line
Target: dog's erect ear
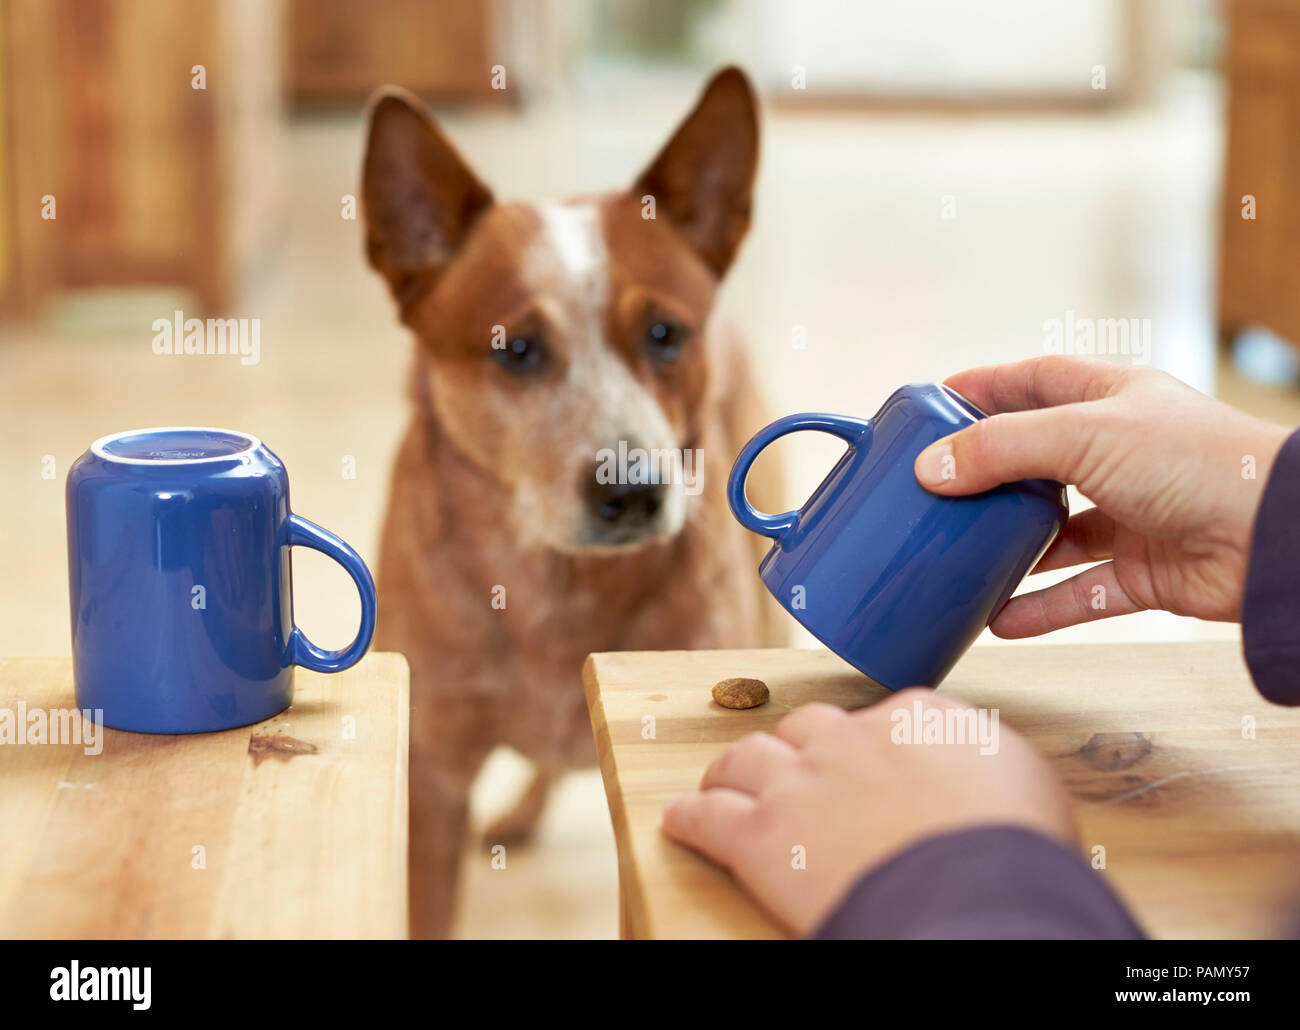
420 196
703 179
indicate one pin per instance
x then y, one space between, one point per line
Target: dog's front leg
517 825
440 786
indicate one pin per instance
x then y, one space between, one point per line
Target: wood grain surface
293 828
1187 778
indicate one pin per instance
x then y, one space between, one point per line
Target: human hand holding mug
896 581
1176 478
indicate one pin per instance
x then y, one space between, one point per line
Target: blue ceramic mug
181 586
894 579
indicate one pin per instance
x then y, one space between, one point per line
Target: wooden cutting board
1198 813
293 828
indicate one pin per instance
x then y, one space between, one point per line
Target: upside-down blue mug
181 584
894 579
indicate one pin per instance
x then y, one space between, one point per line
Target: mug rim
98 447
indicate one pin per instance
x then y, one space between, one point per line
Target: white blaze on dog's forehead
573 233
571 244
572 241
601 402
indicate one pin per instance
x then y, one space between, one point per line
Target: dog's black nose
628 504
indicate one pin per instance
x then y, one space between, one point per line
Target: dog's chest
701 597
681 600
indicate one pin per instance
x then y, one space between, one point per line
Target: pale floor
1107 217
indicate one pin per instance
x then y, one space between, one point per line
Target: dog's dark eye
522 355
664 339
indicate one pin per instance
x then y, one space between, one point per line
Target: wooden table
1200 821
293 828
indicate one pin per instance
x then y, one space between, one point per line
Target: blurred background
939 181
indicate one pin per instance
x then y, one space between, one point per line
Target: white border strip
97 448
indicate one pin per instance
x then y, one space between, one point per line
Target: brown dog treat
738 692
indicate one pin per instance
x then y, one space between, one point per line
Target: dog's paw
517 825
511 828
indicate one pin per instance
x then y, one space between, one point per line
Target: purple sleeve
989 883
1270 609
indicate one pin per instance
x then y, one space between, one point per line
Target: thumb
1043 444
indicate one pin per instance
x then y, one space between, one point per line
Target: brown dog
560 350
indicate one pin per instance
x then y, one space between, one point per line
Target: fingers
1088 536
1047 444
1093 594
811 721
1039 430
1038 383
712 822
801 725
749 764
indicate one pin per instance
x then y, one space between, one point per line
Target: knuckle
1049 366
983 440
1080 595
683 817
742 752
761 822
971 442
719 769
822 710
1141 379
929 698
750 742
812 713
884 709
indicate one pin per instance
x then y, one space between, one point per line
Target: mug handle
304 533
855 431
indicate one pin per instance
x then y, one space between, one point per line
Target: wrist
1251 459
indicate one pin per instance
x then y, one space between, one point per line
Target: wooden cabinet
341 50
1260 257
153 180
